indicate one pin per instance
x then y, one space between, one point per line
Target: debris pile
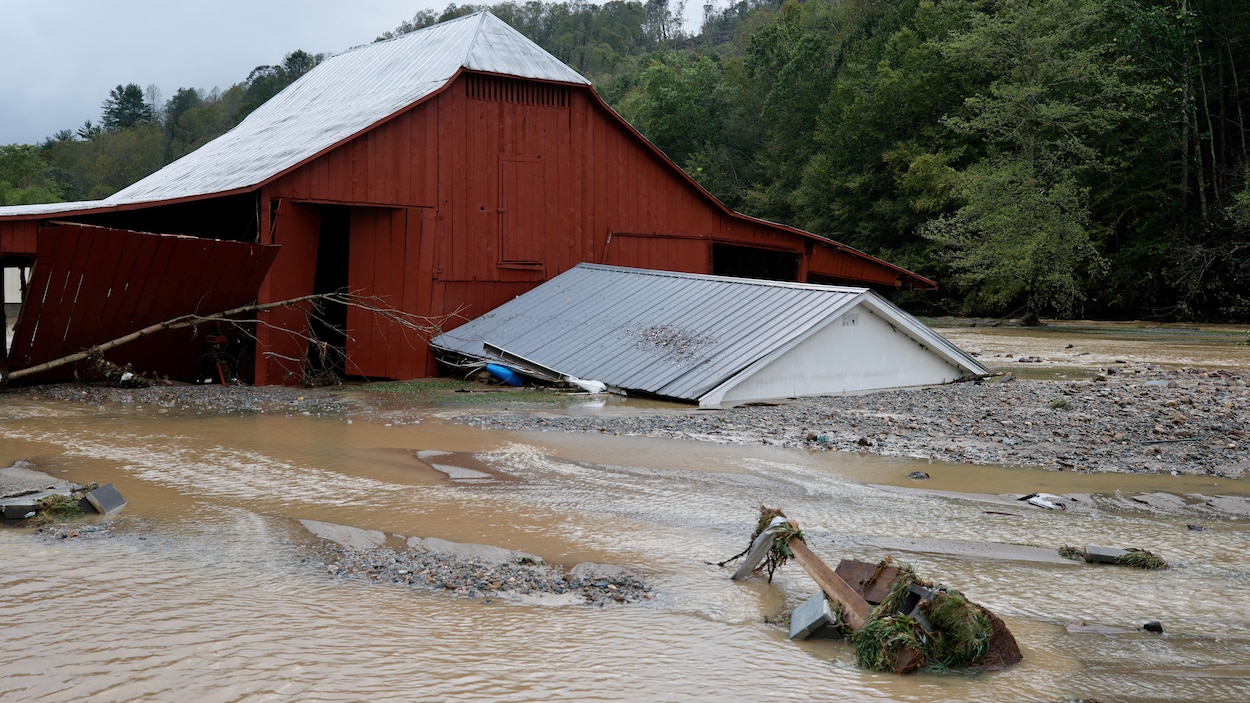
1138 558
895 620
34 499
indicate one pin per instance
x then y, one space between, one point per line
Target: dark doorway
329 328
749 262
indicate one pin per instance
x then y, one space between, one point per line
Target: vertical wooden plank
455 151
49 285
297 230
400 354
359 281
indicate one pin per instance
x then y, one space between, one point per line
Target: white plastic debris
588 386
127 376
1045 500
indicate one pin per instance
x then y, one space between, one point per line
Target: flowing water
203 594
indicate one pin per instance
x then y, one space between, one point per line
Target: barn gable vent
514 91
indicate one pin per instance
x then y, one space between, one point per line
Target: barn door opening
751 262
330 327
16 274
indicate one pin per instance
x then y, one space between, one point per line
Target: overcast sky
60 58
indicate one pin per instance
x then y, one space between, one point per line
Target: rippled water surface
202 593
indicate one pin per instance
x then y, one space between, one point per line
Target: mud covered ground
1126 418
1118 398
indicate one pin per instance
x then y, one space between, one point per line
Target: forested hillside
1065 157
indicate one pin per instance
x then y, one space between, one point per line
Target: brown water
1077 348
203 595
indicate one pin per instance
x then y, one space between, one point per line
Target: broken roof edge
893 315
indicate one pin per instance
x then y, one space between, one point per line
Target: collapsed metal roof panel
341 97
671 334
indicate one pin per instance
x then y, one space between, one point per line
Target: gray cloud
60 58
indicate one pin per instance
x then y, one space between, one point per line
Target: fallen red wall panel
91 285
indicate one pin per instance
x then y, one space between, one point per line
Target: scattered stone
1196 528
918 475
1152 626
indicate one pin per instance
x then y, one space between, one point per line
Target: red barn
447 170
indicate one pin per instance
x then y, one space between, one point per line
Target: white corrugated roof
341 97
671 334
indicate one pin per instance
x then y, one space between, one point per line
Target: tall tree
125 106
1053 121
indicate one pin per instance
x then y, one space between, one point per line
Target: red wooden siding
91 285
18 236
384 265
494 185
281 336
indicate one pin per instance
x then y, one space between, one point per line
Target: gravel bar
473 578
1128 419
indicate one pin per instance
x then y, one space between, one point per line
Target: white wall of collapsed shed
855 351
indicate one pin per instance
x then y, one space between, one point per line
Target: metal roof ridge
480 15
725 279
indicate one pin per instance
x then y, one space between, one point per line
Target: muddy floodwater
201 591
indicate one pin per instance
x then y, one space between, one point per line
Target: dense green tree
674 93
264 82
125 107
1083 156
25 176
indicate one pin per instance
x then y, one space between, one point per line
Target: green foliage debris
1142 559
959 637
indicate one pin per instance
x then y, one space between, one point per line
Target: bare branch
422 325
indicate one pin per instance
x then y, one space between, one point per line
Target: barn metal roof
671 334
341 97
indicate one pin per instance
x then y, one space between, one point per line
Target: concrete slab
970 549
18 511
812 617
1103 555
106 500
19 508
22 477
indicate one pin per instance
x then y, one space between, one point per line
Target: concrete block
911 606
106 500
1103 555
18 511
18 508
814 619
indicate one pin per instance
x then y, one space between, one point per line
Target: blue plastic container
505 374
